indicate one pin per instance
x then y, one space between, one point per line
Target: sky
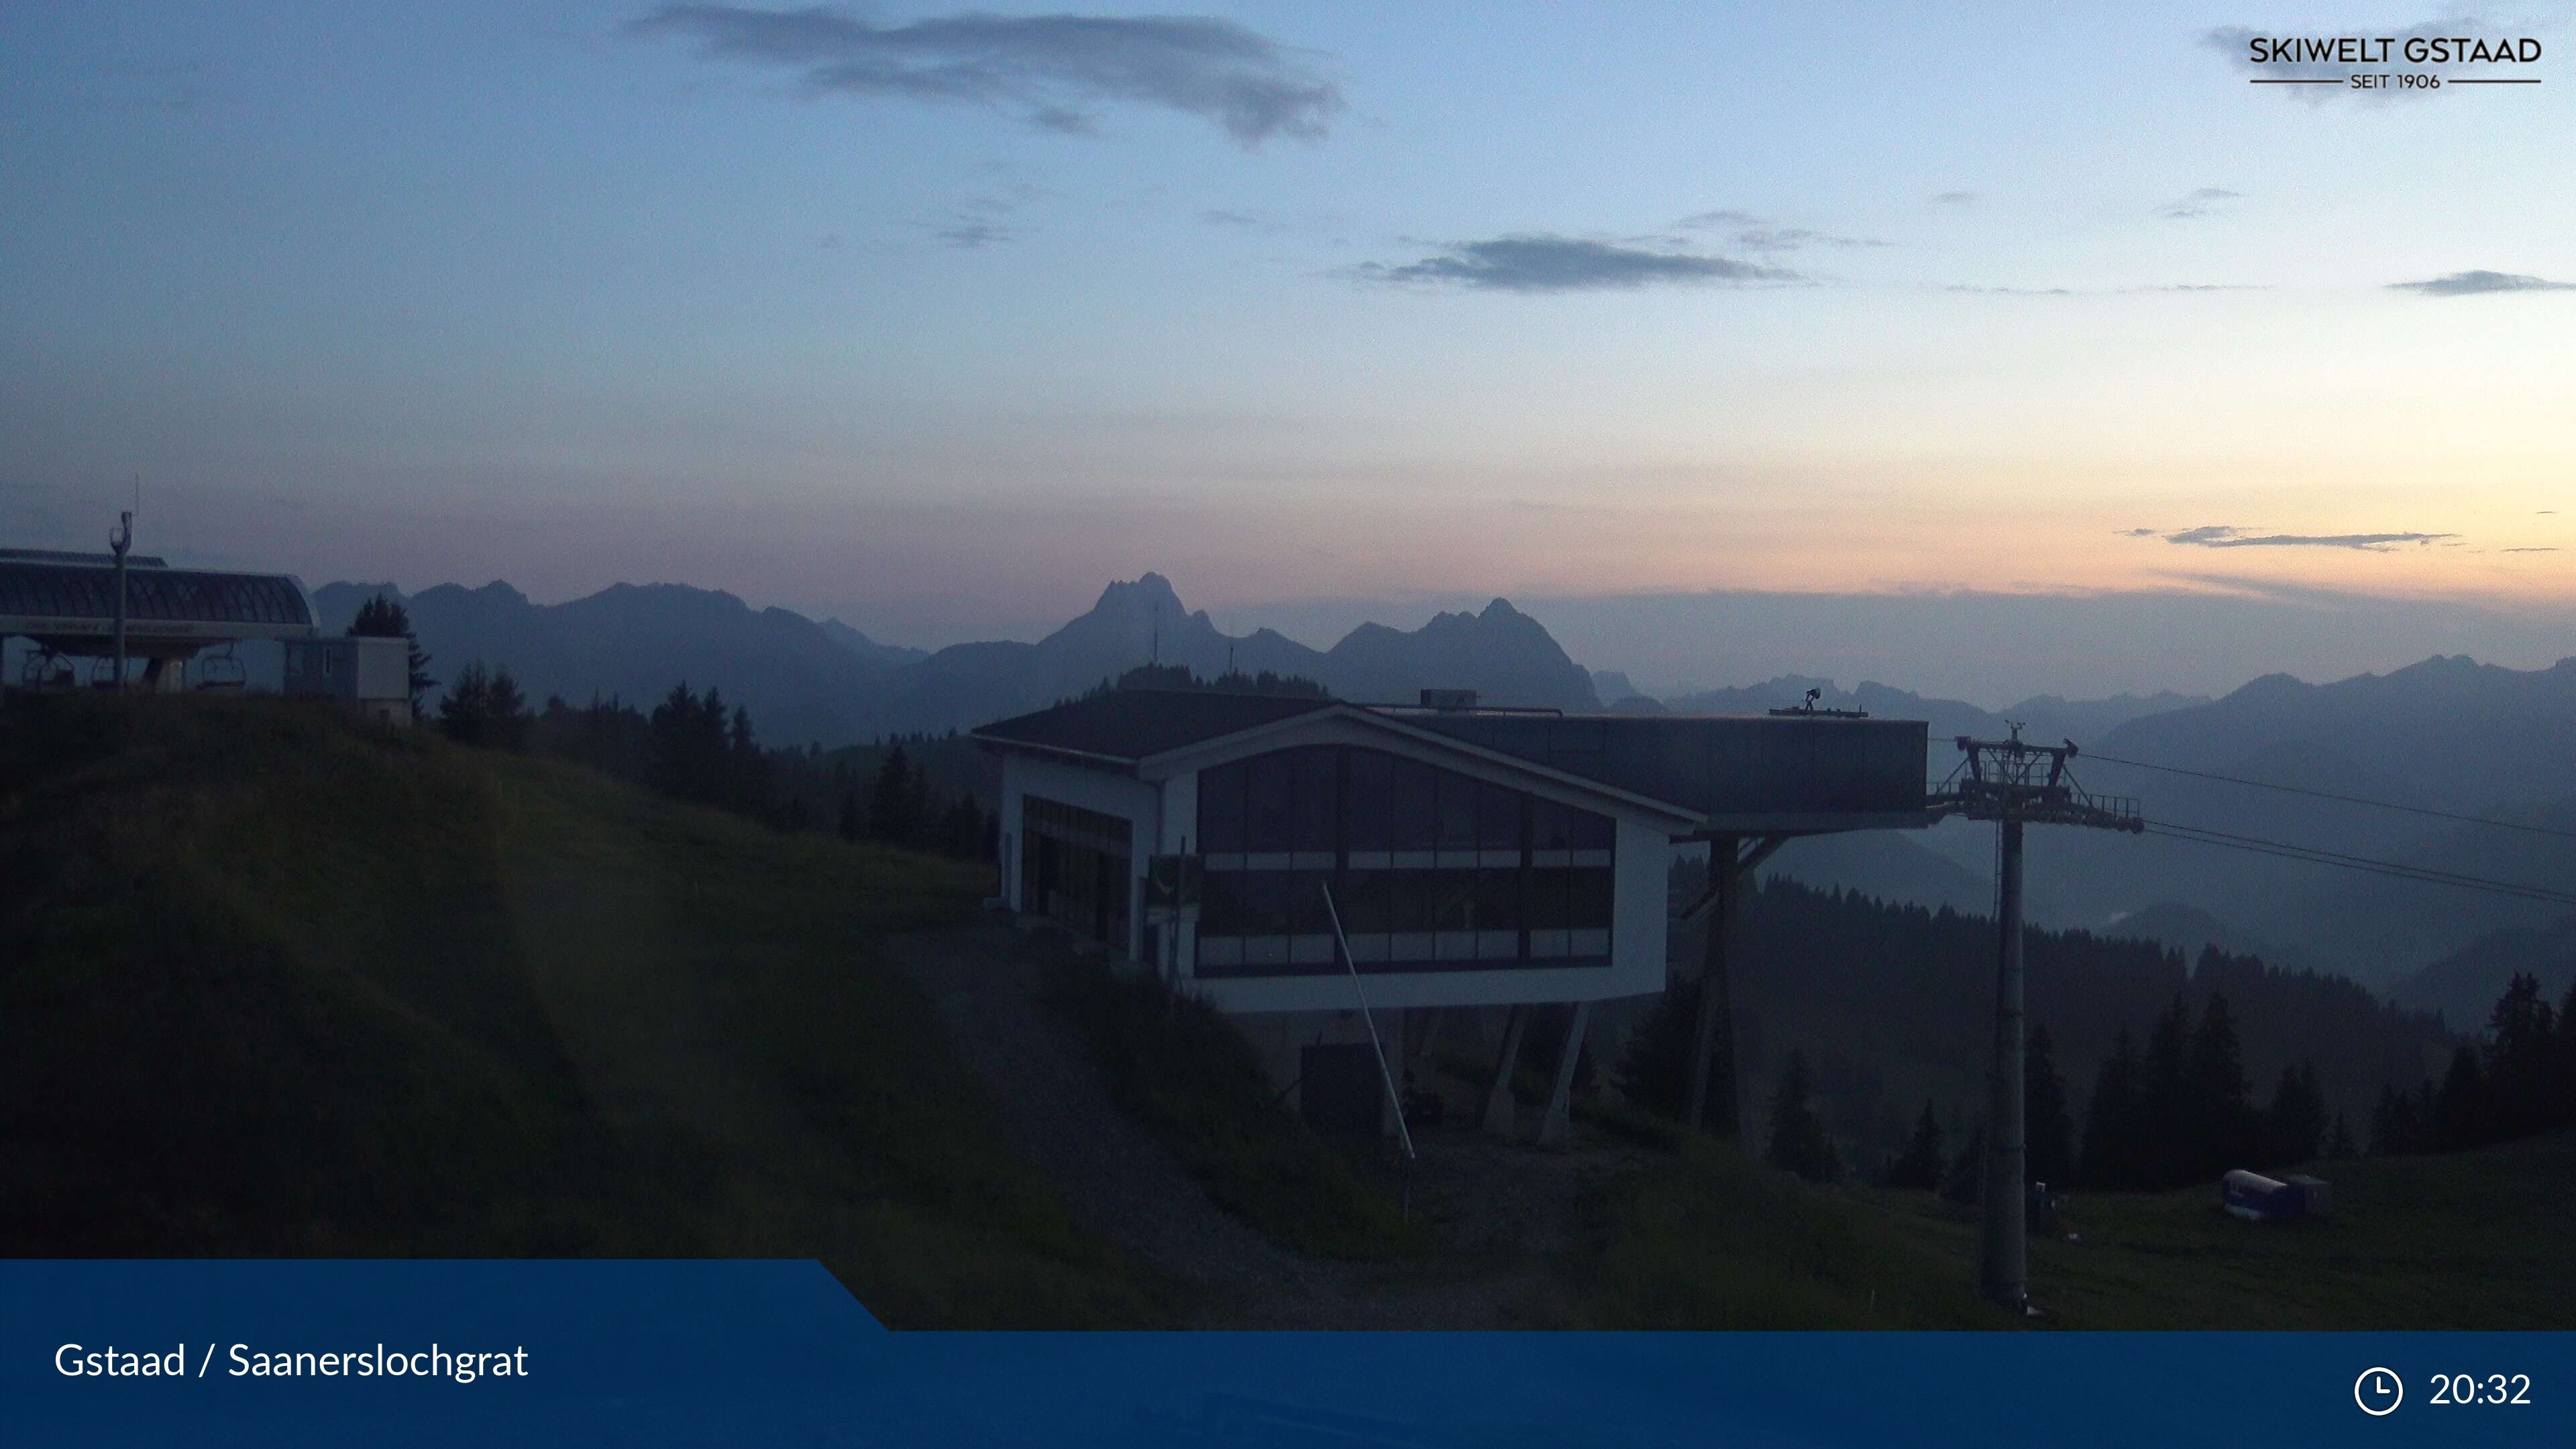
1804 331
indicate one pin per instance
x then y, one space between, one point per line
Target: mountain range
831 684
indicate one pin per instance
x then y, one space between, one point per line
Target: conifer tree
1798 1140
2111 1120
1921 1164
2048 1133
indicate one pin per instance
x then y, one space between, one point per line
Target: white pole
1375 1045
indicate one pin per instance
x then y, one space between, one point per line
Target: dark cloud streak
2478 284
1541 263
2227 536
1050 67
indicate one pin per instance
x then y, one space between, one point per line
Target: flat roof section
1751 772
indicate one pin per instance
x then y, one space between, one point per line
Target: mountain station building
1474 857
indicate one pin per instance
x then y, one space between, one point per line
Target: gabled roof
1134 724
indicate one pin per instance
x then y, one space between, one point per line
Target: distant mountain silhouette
829 683
2044 718
1885 865
2464 985
2446 734
636 642
1505 655
869 649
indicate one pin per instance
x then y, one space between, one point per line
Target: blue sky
938 324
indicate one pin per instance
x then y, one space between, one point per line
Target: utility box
370 673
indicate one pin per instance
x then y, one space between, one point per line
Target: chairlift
222 671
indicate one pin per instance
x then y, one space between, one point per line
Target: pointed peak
1150 590
1501 609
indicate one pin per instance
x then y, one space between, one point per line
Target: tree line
2518 1080
1885 1013
695 747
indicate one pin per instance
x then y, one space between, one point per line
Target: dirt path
1499 1211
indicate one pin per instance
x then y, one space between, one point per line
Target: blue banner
686 1353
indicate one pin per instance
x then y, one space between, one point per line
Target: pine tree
1965 1182
465 715
2297 1119
2166 1117
2462 1111
2391 1134
506 717
852 825
2048 1133
894 806
2221 1122
2339 1146
2521 1061
1798 1141
1921 1163
2111 1120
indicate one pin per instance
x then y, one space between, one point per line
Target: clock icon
2378 1391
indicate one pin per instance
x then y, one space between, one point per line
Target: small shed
373 674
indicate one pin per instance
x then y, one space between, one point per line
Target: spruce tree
893 807
1965 1182
2339 1145
2048 1133
1798 1140
2297 1119
1921 1163
2221 1122
2111 1120
2462 1112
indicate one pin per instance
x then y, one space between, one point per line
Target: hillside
282 985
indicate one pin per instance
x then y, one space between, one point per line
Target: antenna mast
2015 784
119 543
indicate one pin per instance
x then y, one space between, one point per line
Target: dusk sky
938 320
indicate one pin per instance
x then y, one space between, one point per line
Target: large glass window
1515 878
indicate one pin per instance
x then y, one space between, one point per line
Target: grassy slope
290 986
1190 1078
2465 1240
2470 1240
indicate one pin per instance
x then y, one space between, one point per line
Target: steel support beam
2002 1232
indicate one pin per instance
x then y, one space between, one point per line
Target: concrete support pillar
1558 1125
1499 1115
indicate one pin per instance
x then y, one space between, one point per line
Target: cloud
2225 536
1759 234
2473 284
1568 264
2207 201
1955 198
2551 549
1713 220
1052 68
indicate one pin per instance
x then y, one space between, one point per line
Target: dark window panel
1317 799
1588 906
1271 813
1370 801
1498 818
1221 810
1417 805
